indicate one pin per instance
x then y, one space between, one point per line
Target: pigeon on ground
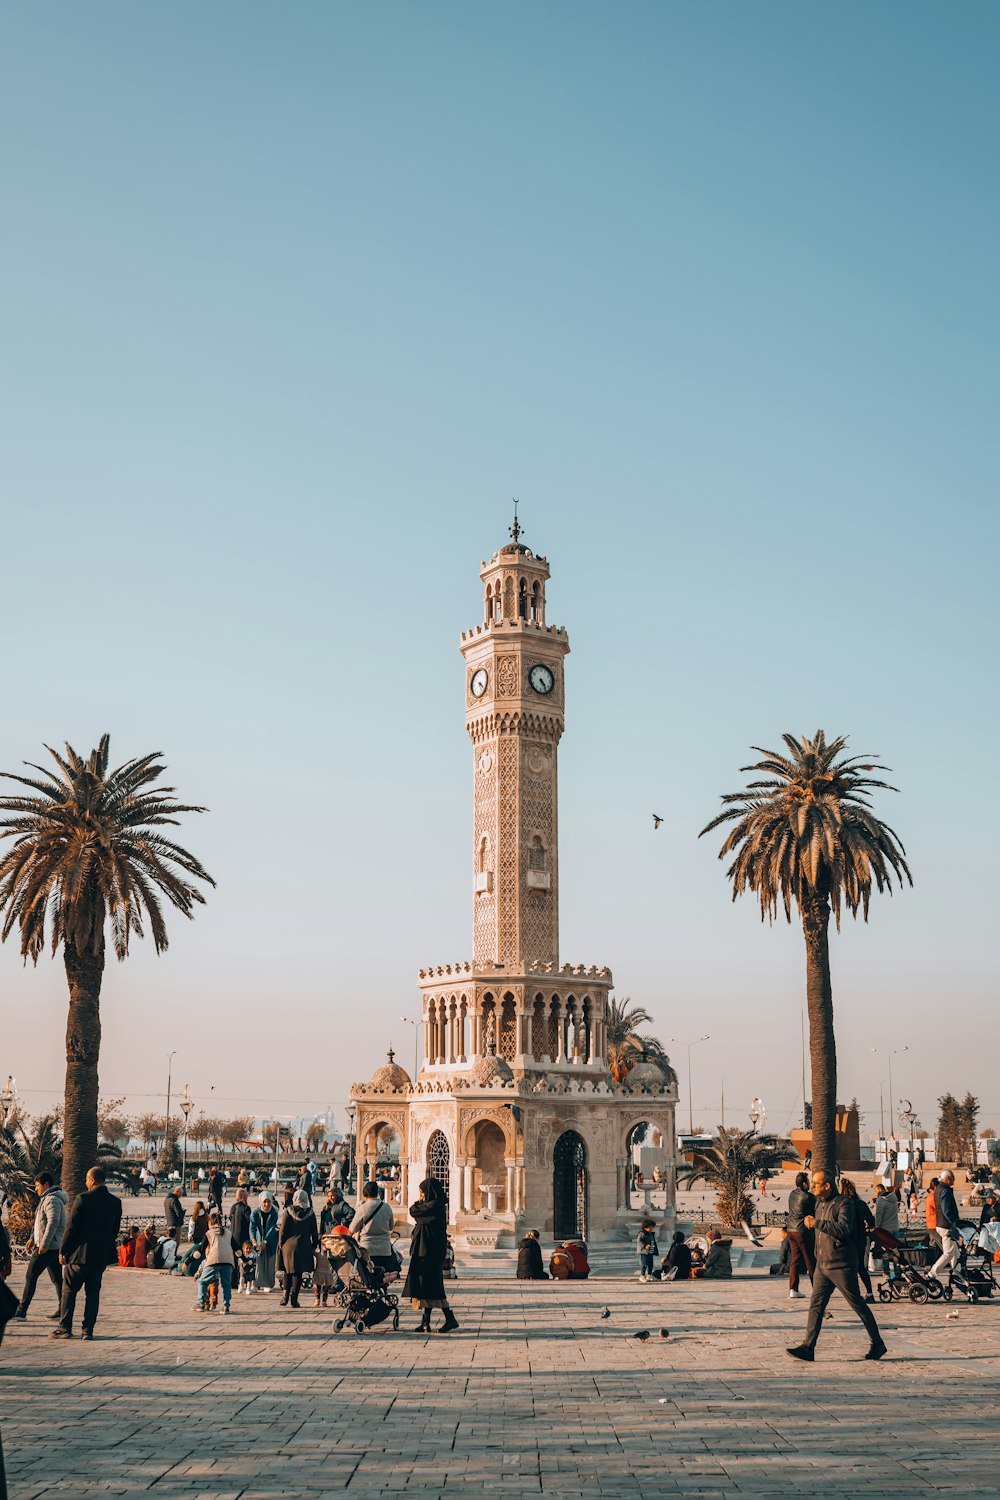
642 1335
657 820
664 1333
606 1313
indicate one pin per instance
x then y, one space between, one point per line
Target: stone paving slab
536 1395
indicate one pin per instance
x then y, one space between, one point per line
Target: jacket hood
58 1193
299 1213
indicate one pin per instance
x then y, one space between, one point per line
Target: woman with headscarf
264 1238
428 1247
297 1239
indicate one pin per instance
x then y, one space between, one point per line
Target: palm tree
24 1155
806 836
87 851
627 1045
730 1164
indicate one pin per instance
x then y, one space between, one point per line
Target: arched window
484 853
489 603
497 604
522 600
536 602
439 1160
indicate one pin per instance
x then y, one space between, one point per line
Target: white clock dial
541 679
479 682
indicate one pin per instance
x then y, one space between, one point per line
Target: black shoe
54 1317
876 1351
424 1326
869 1298
60 1333
801 1352
450 1323
21 1317
283 1302
87 1333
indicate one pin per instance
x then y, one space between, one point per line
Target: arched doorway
569 1187
645 1167
439 1161
490 1168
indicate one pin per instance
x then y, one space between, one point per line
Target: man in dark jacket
239 1229
89 1246
800 1239
173 1209
529 1259
217 1188
836 1266
946 1211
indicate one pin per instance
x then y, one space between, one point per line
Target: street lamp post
187 1105
166 1118
689 1045
351 1110
416 1042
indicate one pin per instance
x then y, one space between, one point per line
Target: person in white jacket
46 1237
219 1262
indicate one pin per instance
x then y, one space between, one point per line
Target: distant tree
275 1134
236 1132
947 1135
968 1116
200 1129
149 1128
806 836
113 1125
315 1136
807 1115
627 1044
88 858
730 1164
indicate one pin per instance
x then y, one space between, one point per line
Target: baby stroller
365 1300
973 1276
908 1276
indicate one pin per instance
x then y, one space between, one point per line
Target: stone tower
514 1109
514 705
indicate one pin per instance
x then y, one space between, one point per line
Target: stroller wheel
919 1293
972 1295
395 1321
946 1293
361 1326
338 1325
935 1290
884 1292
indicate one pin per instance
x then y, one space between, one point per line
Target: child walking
646 1246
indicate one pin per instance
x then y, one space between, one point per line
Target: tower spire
517 529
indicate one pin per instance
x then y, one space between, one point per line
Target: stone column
621 1179
509 1164
561 1032
467 1173
451 1034
463 1022
428 1028
475 1031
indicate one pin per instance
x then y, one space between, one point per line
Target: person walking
46 1237
372 1226
833 1222
239 1229
864 1223
217 1188
297 1242
88 1248
218 1263
946 1222
886 1217
264 1238
173 1209
424 1283
800 1239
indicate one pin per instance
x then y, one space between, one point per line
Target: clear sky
296 298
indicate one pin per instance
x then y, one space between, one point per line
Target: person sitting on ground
782 1265
718 1262
145 1244
165 1255
529 1259
677 1262
569 1261
126 1250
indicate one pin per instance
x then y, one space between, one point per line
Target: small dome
487 1070
645 1075
389 1076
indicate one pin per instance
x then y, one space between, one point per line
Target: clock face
541 679
479 682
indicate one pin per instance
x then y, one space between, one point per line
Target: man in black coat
800 1239
217 1187
173 1209
239 1228
836 1266
89 1246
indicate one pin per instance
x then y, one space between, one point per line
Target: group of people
684 1260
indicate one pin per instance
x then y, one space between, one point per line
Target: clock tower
514 707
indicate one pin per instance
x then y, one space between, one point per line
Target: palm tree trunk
822 1044
84 972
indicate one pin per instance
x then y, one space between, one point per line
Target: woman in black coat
297 1241
529 1259
428 1247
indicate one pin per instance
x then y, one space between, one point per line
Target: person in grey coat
836 1266
46 1237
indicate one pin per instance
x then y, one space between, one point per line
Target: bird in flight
657 820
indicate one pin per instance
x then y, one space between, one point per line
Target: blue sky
294 301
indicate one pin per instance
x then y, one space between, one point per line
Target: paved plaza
537 1395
